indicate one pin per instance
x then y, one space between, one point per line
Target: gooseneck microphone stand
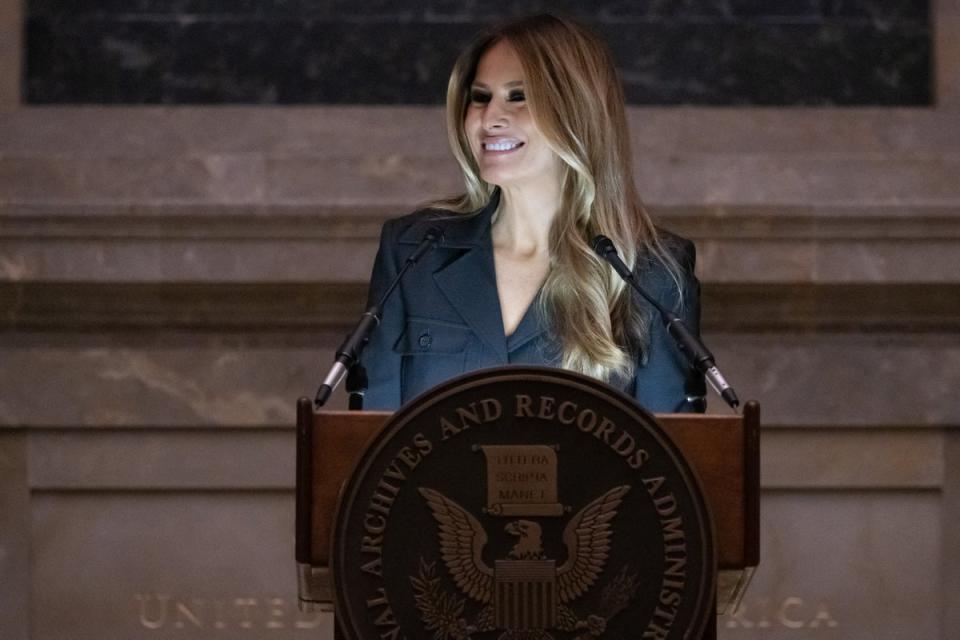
348 355
698 354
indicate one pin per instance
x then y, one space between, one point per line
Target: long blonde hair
576 100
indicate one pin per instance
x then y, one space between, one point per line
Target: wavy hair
577 103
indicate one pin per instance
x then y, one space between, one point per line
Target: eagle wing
587 537
462 540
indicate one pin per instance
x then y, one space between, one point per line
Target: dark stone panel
70 9
799 52
452 11
774 65
712 10
880 10
799 9
477 11
283 62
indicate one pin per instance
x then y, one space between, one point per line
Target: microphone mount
348 355
697 353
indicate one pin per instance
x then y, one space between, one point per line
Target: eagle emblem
526 594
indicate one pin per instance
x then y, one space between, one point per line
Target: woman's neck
523 220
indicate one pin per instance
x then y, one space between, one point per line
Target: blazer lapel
470 285
468 280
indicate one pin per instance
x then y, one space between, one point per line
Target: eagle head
529 545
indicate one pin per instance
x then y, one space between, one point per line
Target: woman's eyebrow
509 85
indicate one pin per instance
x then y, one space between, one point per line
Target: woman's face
505 141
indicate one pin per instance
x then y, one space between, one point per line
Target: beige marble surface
815 380
146 474
357 156
125 565
844 565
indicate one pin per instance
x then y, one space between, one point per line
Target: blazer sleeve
381 361
667 383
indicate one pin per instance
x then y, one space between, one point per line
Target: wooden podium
723 451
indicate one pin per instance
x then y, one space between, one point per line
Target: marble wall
709 52
172 278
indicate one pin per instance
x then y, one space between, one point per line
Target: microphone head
603 245
434 234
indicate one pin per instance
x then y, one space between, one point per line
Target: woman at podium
536 121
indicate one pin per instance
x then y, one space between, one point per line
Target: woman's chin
497 176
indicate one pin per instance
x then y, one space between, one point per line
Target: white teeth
501 146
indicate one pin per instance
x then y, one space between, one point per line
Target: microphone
696 352
349 352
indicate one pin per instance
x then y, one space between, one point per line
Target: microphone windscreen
603 245
434 234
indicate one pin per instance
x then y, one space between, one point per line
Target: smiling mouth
501 146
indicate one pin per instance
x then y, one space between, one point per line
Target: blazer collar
460 230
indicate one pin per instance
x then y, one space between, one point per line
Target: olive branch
618 593
615 597
440 610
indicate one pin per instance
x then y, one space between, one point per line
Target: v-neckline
529 324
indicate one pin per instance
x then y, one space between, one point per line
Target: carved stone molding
307 307
24 222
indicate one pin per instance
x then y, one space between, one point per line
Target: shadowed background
190 197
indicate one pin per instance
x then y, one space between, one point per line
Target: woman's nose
494 116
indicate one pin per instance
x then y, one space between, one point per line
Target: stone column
14 536
951 536
11 40
946 24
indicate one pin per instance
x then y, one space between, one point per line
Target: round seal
522 503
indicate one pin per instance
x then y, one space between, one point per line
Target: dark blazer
444 319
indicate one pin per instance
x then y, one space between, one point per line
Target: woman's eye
479 97
516 96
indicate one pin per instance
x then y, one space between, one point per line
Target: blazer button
425 341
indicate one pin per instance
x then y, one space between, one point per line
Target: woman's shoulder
680 249
668 253
411 227
669 271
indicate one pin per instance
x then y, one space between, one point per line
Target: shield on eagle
525 594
